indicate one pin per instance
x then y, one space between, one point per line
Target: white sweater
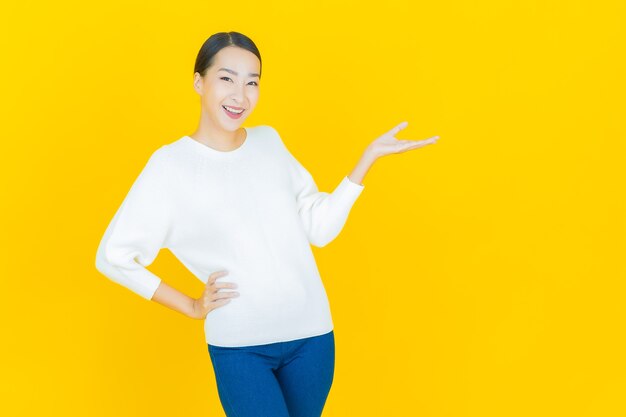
253 211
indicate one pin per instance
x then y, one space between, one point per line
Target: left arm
324 214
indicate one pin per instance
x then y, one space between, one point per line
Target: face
231 81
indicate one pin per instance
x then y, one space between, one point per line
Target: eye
228 78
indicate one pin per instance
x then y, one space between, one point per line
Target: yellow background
481 276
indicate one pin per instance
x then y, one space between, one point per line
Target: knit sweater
254 211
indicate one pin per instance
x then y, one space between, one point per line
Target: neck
218 138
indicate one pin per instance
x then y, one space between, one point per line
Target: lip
232 115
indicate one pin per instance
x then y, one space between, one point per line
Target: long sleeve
138 230
323 214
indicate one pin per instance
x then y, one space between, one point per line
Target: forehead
236 59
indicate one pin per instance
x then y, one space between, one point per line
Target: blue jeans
283 379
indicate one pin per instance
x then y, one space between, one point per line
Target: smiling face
231 81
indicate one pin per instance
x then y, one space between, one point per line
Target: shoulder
161 154
266 131
269 136
159 158
157 166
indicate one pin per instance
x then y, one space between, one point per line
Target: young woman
233 201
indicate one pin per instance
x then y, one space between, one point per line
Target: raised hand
388 144
385 145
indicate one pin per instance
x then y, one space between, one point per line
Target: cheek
253 95
217 93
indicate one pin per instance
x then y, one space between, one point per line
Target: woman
229 200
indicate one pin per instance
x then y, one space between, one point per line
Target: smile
233 111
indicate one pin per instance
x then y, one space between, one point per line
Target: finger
398 128
430 139
418 144
409 142
225 285
414 144
425 141
216 275
221 302
224 294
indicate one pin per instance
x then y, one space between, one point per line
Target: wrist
370 155
191 309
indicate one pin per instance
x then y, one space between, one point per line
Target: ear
197 83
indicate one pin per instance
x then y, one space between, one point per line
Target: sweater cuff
143 282
349 190
359 187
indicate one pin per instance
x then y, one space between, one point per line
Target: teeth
230 109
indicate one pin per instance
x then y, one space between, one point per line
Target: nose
238 95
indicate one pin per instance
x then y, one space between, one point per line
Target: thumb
398 128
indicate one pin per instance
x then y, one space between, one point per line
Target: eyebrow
252 74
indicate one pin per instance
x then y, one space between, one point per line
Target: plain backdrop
480 276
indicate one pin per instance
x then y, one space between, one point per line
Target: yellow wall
481 276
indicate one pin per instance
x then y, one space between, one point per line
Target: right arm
138 230
134 237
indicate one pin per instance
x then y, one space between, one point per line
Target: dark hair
220 40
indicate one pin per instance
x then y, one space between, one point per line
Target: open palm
387 144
